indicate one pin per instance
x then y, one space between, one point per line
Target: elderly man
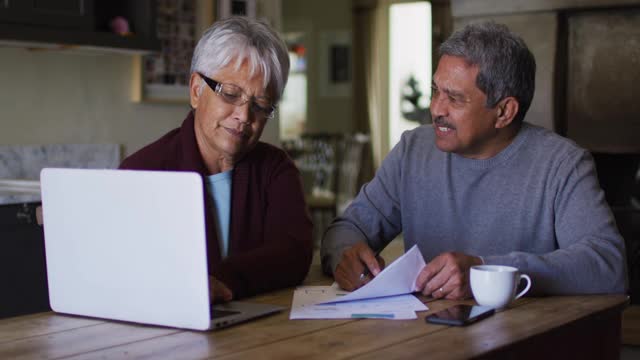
483 186
258 228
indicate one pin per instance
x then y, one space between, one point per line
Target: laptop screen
127 245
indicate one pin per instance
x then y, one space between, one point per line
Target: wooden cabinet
23 274
64 14
78 23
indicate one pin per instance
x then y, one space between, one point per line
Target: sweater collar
500 157
190 158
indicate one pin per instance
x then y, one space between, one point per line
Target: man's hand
358 265
218 291
447 276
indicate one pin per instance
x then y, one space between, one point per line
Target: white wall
54 97
317 18
539 31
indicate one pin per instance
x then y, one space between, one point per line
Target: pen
372 316
366 271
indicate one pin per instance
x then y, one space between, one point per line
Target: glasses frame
217 87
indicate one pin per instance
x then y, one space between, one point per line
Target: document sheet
386 296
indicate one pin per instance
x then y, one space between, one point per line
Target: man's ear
194 89
506 111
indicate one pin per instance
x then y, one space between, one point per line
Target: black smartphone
460 315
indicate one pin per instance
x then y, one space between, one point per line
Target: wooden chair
352 155
330 166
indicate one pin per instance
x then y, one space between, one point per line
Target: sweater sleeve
591 254
284 257
373 217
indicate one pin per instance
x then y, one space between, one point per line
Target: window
293 106
409 66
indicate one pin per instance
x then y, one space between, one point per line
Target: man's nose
438 106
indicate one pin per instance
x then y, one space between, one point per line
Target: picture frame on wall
228 8
335 63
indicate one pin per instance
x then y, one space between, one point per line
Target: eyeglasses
235 95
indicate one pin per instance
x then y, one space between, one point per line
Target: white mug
496 285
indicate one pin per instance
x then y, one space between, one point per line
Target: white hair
237 39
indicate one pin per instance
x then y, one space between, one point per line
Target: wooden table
567 327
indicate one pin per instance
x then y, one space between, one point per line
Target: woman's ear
195 83
507 109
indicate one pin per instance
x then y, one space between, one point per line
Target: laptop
131 246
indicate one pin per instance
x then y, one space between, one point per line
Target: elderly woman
258 228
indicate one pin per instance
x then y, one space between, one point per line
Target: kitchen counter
14 191
18 187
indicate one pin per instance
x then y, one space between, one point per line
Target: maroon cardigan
270 244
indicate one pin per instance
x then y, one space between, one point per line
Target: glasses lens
232 94
262 102
267 111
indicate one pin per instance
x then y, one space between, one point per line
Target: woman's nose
242 113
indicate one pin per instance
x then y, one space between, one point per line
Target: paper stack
387 296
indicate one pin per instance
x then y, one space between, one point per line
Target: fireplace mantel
464 8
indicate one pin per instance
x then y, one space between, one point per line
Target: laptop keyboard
217 313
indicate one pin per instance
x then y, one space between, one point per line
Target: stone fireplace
587 88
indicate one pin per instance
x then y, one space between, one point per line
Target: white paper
396 279
305 305
384 297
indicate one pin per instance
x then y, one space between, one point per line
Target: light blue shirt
219 186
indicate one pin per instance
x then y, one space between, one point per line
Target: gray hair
506 65
236 39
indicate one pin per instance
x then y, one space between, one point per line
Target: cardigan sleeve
281 258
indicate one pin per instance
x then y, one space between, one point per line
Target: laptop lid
127 245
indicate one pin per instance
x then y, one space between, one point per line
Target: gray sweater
536 205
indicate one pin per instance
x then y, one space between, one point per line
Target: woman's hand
218 291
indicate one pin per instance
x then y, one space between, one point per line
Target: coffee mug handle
524 276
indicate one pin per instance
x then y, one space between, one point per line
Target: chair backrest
317 157
330 166
352 150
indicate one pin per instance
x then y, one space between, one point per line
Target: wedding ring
441 290
363 276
